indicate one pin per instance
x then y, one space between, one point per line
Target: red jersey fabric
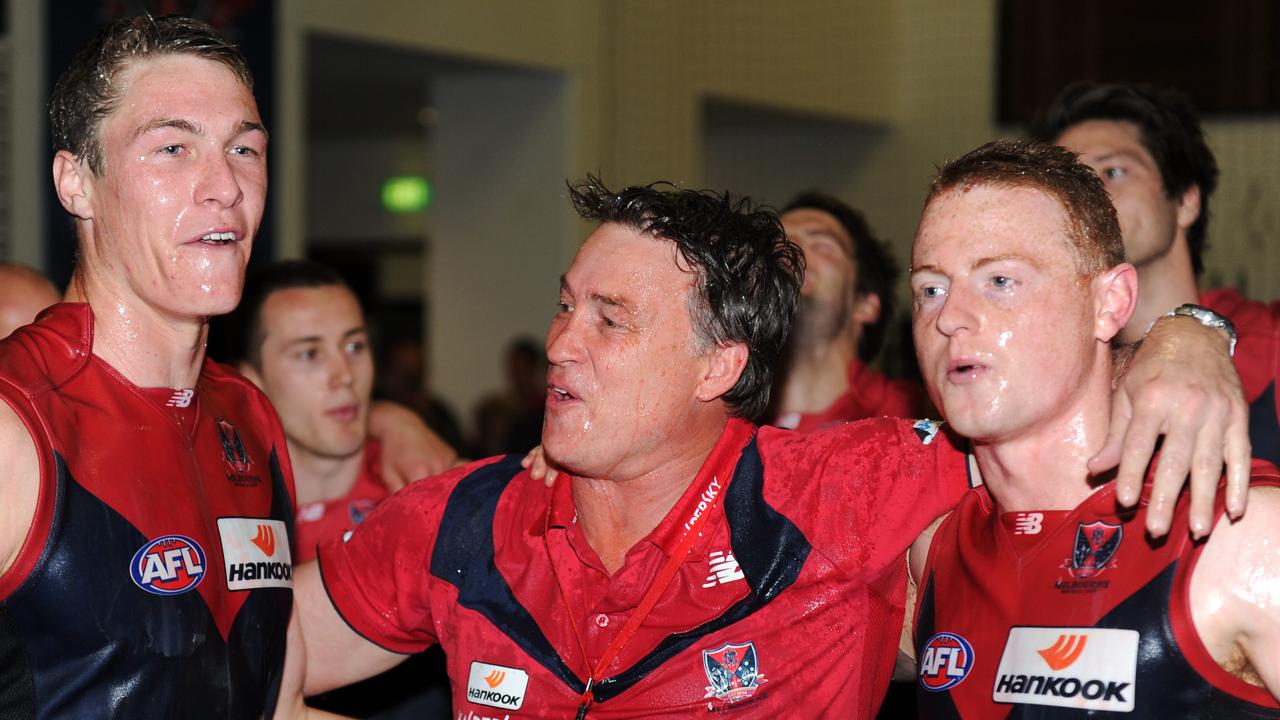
1093 617
785 602
319 521
155 581
870 395
1257 360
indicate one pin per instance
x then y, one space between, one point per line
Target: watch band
1208 318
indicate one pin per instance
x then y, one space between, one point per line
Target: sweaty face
624 363
182 190
317 369
1113 148
1002 318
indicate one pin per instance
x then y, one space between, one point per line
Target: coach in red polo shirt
686 564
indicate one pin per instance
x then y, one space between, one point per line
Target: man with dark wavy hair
685 562
1147 146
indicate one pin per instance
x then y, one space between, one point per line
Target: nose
340 370
218 182
563 342
957 313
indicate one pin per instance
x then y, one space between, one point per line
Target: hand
410 451
1180 384
539 467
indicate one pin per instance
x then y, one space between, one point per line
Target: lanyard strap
712 492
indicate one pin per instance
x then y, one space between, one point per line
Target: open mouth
554 392
219 238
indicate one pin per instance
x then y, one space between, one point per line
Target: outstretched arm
1180 384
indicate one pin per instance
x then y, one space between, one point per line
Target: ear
252 373
866 308
724 364
1115 297
1189 207
73 181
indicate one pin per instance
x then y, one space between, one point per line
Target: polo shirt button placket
602 621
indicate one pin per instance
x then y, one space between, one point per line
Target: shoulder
1241 554
19 483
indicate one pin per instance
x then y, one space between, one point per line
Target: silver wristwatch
1208 318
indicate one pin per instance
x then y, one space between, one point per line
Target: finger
1170 474
1109 456
552 474
1206 472
1238 455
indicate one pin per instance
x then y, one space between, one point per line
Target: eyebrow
317 338
185 125
981 262
610 300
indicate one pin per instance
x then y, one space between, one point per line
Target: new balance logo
724 569
181 398
266 540
1028 523
1065 651
495 678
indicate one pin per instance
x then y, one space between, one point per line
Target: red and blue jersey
789 599
1068 614
156 579
318 521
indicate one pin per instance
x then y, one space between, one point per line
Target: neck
1165 283
1046 467
817 373
147 347
615 513
320 478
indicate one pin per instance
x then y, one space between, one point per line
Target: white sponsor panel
1074 667
255 553
497 685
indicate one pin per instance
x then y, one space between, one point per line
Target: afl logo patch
946 661
169 565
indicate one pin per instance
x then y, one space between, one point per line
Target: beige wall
864 97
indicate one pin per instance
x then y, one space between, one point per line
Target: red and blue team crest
233 448
1096 545
169 565
945 661
358 510
733 671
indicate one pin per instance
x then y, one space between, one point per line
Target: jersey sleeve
873 486
378 575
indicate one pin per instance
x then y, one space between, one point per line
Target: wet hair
1092 226
748 272
876 270
90 88
246 321
1170 130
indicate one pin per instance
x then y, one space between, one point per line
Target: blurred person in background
846 306
1147 146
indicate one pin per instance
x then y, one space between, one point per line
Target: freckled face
184 183
1002 317
624 362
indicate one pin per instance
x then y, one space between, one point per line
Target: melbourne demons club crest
233 448
733 671
1096 545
